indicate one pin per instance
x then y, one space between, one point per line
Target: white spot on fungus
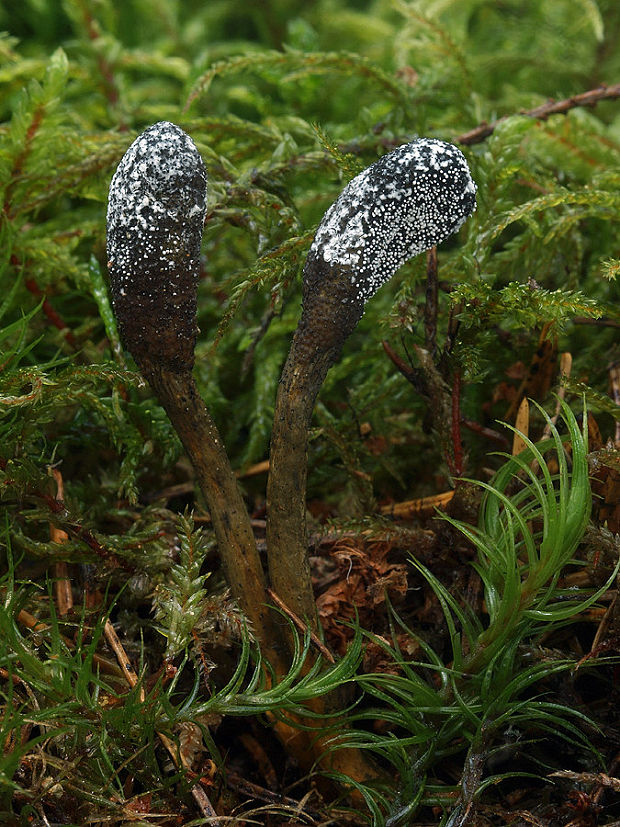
403 204
157 180
156 211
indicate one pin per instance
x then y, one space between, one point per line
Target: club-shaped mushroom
406 202
155 219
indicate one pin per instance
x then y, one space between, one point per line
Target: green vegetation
479 696
473 654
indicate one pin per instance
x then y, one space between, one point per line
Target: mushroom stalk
405 203
179 395
289 566
316 346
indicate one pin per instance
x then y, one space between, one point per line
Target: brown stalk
287 548
179 396
155 220
364 237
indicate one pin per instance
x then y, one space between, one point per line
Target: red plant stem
53 316
487 433
20 160
407 371
110 88
457 445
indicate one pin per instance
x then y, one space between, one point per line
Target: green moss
286 102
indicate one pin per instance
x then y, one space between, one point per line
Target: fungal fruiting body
407 202
403 204
156 212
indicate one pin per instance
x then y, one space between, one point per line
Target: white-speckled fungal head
403 204
406 202
156 212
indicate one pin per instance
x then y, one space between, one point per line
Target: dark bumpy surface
156 213
406 202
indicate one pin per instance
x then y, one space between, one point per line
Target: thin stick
544 111
602 322
487 433
410 374
566 363
417 507
522 424
303 627
131 676
62 583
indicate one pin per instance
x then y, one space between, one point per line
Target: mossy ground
286 102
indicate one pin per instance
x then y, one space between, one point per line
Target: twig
410 374
183 488
131 676
544 111
248 357
522 425
604 321
258 468
303 627
566 364
417 507
487 433
123 661
62 583
453 328
242 785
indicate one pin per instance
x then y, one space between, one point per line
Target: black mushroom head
156 212
405 203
